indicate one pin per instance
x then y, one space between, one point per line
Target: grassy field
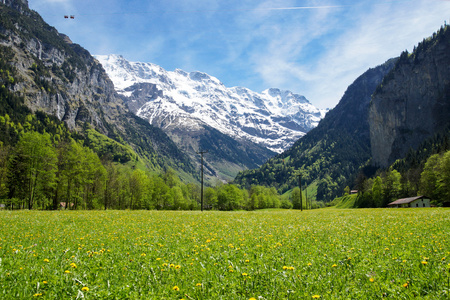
326 254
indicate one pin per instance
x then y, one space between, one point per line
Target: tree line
41 172
433 181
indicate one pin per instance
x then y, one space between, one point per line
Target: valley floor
270 254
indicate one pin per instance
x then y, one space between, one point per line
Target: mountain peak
273 118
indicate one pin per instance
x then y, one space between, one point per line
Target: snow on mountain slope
171 99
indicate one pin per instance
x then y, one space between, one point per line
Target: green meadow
274 254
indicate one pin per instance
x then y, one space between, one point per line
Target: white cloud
376 33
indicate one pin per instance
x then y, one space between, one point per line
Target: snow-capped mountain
173 99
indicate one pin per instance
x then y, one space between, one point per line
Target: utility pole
300 185
306 196
201 190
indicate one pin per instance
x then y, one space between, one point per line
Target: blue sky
314 48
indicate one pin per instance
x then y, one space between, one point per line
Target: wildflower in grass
316 297
309 264
244 274
143 254
176 288
252 298
285 267
46 260
371 280
85 289
44 282
177 267
37 295
334 266
73 265
67 271
247 260
291 268
424 262
198 285
405 285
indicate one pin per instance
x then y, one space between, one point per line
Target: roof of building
406 200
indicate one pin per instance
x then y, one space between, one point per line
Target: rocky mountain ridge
413 101
60 78
172 100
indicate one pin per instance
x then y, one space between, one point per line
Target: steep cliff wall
413 101
60 78
56 76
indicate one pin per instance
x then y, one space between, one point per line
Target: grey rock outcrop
413 102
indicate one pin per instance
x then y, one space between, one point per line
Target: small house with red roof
418 201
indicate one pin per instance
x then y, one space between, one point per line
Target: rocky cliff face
57 77
413 101
62 79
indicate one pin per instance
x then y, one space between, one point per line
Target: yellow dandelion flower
85 289
309 264
143 254
285 267
46 260
247 260
316 297
73 265
424 262
405 285
198 284
244 274
176 288
177 267
334 266
37 295
252 298
371 280
44 282
67 271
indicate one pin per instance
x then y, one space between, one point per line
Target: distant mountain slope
330 154
60 78
273 118
413 102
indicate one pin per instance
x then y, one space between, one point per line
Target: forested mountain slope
384 116
43 71
330 154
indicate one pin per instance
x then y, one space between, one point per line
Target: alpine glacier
173 99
